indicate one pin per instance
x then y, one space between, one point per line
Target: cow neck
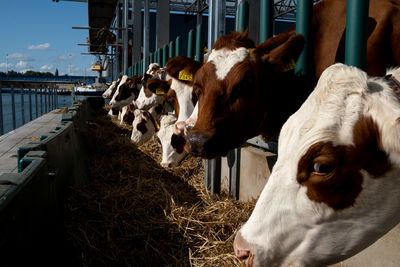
283 97
394 84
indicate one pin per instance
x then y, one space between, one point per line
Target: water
40 101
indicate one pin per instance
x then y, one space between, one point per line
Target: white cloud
66 57
44 46
47 67
22 64
5 65
19 56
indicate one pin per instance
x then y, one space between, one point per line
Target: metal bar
219 23
356 33
233 158
178 46
242 18
30 103
94 28
266 19
1 111
125 36
146 39
171 51
41 100
211 20
117 52
304 26
13 107
45 100
36 103
199 53
137 30
215 171
164 55
22 105
190 46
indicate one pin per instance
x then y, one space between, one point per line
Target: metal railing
45 100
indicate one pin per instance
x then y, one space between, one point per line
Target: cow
144 125
152 94
127 113
171 143
111 89
245 90
127 91
335 187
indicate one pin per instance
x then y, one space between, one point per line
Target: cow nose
197 142
243 254
180 128
166 165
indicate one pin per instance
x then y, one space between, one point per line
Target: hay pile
135 213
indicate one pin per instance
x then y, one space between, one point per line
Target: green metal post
178 46
356 33
266 19
190 48
304 15
171 49
242 16
151 57
135 70
141 67
159 56
164 55
199 53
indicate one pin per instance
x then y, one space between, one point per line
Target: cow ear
284 55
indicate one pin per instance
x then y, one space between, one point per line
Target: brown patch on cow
339 181
141 126
178 143
179 63
173 99
234 40
153 84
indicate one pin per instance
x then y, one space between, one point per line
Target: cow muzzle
241 252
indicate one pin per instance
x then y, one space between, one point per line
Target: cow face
172 144
233 88
127 91
143 127
152 94
334 189
111 90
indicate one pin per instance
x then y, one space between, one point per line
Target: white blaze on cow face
335 187
184 94
145 103
108 93
142 127
167 137
225 59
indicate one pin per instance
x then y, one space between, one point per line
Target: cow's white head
172 144
335 187
152 94
110 90
127 91
143 127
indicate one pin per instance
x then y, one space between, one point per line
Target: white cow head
172 144
143 127
110 90
335 188
127 91
152 94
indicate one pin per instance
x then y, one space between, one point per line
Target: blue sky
37 35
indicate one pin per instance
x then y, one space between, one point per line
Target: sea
6 106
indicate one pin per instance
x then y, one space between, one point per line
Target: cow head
111 90
172 144
127 91
180 72
235 87
152 93
335 187
143 127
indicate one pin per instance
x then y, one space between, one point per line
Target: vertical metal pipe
151 58
41 100
13 107
137 31
304 26
45 100
135 69
164 55
36 103
171 52
1 111
117 49
190 46
178 46
211 19
220 18
146 39
57 98
22 105
266 19
30 104
242 17
199 53
125 36
356 33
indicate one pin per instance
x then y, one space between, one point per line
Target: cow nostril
189 126
243 254
165 165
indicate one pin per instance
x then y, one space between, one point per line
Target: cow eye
197 89
321 168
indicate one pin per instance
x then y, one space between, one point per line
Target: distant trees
27 73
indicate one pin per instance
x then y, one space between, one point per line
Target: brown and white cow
127 91
244 90
335 188
111 89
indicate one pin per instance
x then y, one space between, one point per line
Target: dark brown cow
245 90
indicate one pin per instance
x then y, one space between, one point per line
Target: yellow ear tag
291 65
185 76
160 91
